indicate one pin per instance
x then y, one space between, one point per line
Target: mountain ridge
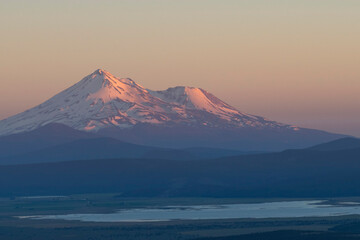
338 144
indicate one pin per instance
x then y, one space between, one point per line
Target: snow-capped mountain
101 100
177 117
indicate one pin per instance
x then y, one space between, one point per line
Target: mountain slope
176 117
82 149
236 138
56 142
339 144
47 136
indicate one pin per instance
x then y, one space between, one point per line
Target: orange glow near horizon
291 61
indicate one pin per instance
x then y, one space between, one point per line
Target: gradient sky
292 61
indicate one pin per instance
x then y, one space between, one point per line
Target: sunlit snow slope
101 100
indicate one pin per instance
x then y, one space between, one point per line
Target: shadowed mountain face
243 139
177 117
49 135
96 148
57 142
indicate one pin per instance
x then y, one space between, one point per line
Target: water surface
226 211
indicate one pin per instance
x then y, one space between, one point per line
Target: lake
283 209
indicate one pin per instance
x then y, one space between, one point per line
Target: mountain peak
101 72
101 100
195 98
103 75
